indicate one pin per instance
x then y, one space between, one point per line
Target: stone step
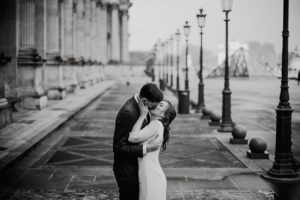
20 137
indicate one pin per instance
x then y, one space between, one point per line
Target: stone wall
57 46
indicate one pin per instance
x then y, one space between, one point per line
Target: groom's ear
144 100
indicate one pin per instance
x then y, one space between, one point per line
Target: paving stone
112 195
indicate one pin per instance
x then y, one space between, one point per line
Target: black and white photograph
149 100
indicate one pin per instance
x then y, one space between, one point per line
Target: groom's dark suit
126 153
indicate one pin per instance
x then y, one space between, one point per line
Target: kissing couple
141 130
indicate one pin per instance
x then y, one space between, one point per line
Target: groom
126 153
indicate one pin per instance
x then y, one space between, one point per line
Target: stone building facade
51 47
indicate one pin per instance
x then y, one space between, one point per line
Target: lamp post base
161 84
284 188
200 104
183 102
177 83
226 123
186 84
225 127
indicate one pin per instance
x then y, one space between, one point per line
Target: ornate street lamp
158 44
226 123
187 29
155 62
163 65
283 165
177 36
171 59
201 22
167 61
160 64
283 176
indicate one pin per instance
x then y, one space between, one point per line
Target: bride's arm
137 127
137 135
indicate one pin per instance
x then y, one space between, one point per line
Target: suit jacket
126 153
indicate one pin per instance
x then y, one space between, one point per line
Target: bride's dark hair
169 116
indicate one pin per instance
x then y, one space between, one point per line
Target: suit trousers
128 187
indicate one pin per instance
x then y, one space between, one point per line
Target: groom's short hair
151 92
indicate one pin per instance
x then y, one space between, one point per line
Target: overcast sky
259 20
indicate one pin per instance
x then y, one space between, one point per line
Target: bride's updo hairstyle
169 116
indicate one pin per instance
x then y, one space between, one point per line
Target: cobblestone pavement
112 195
75 162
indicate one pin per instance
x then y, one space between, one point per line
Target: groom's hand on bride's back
152 147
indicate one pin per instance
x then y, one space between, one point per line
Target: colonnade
52 47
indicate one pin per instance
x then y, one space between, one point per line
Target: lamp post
201 23
167 61
160 64
184 95
283 176
163 65
158 44
171 59
283 165
155 63
226 123
177 35
187 28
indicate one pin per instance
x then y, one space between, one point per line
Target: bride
152 180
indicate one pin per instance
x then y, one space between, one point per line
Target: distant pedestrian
298 77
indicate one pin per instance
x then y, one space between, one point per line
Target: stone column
87 30
94 42
52 30
109 33
80 43
98 43
67 45
61 28
74 31
115 33
103 33
79 30
86 45
30 63
9 45
56 86
124 36
5 107
94 31
41 36
68 28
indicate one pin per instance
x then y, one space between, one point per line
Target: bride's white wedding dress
153 184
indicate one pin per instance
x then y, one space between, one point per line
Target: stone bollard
258 147
206 113
238 135
214 119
